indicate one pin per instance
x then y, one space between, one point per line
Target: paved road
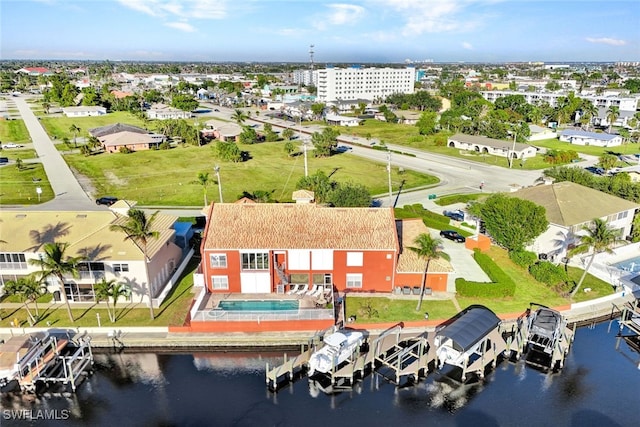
69 195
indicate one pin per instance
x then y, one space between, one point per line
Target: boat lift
52 359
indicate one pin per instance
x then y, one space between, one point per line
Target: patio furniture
293 288
302 290
311 292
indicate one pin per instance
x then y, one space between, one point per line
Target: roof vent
20 216
81 216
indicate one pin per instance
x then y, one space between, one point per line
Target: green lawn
18 187
173 310
13 131
58 127
528 290
167 177
409 136
23 153
556 144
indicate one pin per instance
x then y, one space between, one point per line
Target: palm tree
239 116
56 263
599 238
427 248
203 179
612 115
75 129
28 289
138 228
110 290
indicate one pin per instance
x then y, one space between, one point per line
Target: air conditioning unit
542 256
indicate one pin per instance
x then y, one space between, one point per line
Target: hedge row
501 284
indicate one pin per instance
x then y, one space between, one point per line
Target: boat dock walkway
401 355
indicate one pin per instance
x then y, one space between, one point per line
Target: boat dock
473 341
44 359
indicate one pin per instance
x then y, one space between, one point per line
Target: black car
106 200
452 235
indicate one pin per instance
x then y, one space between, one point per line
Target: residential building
539 133
305 77
115 128
84 111
363 82
580 137
570 207
164 112
265 248
105 253
337 120
35 71
224 131
496 147
133 141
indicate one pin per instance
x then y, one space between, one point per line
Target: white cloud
339 14
433 16
344 13
467 45
607 40
200 9
182 26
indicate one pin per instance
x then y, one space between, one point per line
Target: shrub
550 274
523 258
501 285
125 150
164 146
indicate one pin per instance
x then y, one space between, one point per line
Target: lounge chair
311 292
303 290
318 291
293 288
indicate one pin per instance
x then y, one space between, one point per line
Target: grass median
19 186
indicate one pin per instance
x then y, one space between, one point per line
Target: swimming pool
631 265
258 305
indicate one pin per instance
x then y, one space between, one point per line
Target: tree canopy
512 222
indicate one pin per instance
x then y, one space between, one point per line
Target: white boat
338 348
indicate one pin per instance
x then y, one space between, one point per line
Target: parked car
4 160
457 215
453 235
11 145
108 200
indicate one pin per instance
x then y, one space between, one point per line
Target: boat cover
547 319
470 328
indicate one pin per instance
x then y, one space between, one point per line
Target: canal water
599 386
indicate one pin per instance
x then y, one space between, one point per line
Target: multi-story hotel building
341 84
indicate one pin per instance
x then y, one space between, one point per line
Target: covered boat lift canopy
472 326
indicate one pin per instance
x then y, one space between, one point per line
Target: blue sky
341 31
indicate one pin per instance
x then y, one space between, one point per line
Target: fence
258 316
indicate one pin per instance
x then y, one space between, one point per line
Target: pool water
258 305
632 265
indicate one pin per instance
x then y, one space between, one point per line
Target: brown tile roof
570 204
126 137
296 226
408 261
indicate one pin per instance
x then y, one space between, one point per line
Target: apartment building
336 84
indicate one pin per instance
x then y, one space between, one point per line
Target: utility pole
217 170
304 149
513 150
389 177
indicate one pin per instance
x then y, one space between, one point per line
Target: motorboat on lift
338 348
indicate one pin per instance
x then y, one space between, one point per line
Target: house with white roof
84 111
496 147
164 112
581 137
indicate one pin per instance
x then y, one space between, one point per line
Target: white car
11 145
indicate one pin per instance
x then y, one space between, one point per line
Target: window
218 260
220 282
622 215
255 261
354 259
117 268
354 280
13 261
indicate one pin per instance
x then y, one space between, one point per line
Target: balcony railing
91 275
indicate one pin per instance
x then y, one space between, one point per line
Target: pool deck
304 300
